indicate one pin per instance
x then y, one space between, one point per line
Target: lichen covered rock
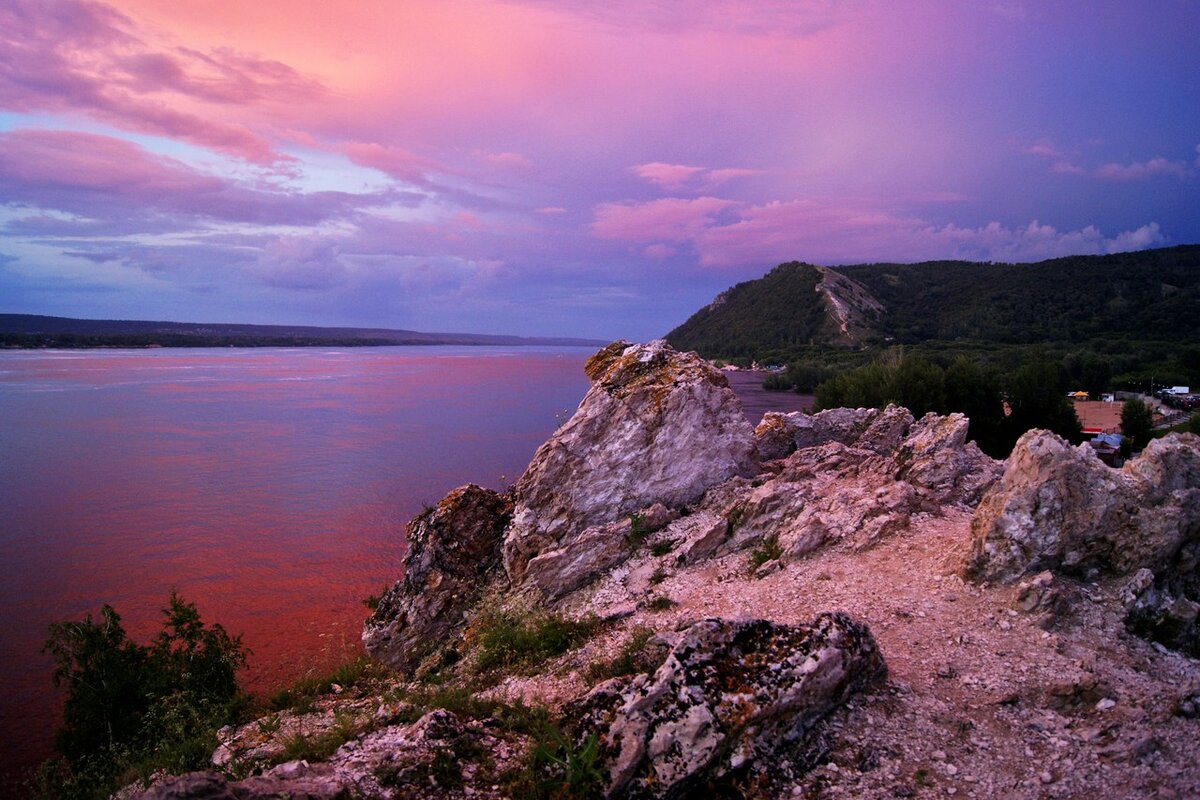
453 553
656 426
728 696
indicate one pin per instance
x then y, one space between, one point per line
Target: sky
568 168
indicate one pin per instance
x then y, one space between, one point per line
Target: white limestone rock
657 426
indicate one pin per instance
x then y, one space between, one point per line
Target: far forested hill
1151 296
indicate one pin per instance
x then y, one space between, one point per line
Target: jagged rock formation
854 476
453 552
1059 508
862 511
727 695
656 426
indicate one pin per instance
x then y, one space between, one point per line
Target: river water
269 486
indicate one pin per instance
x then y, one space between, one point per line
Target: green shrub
638 531
660 603
767 550
131 709
557 768
320 746
662 547
299 695
520 638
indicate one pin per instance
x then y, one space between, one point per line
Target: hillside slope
1148 296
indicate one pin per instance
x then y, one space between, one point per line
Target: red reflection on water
270 487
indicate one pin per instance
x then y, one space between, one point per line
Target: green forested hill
780 311
1147 296
1152 295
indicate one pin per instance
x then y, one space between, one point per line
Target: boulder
1058 507
776 436
729 696
453 553
656 426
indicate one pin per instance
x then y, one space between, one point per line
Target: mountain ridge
1149 295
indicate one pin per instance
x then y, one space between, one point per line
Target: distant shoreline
34 332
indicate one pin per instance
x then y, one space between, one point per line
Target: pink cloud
1044 148
389 159
85 57
675 176
659 251
110 181
510 162
1067 168
810 230
716 177
762 18
668 176
1142 170
669 220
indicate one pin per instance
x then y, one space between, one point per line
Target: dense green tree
1089 371
975 392
1036 394
128 704
1193 424
1137 425
919 385
102 673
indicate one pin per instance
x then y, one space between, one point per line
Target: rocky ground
982 642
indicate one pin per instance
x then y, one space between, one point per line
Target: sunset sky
579 168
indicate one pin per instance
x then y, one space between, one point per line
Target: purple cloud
1142 170
100 178
81 56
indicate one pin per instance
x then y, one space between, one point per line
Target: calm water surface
269 486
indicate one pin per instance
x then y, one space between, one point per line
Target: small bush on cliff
521 638
636 655
767 550
134 708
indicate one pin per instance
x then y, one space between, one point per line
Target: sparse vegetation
766 550
659 603
300 694
662 547
558 769
320 746
658 577
638 531
519 638
633 657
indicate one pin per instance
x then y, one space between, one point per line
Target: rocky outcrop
1060 508
854 476
563 569
433 757
657 426
728 695
453 553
